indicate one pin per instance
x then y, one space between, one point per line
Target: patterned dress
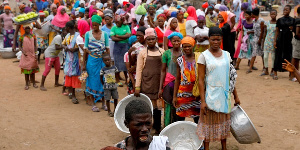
269 41
28 63
257 49
248 53
188 105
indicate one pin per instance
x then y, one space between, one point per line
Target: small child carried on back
109 83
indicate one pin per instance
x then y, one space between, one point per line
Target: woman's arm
276 36
150 22
298 31
116 39
84 59
232 20
37 25
139 70
176 86
201 74
162 79
262 28
166 40
236 97
124 37
15 37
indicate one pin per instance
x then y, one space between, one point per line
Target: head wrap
169 24
91 11
77 3
109 15
125 2
142 29
7 7
108 11
167 13
41 13
152 5
59 19
90 3
132 39
245 5
225 16
56 2
119 18
99 5
210 7
82 10
188 40
192 13
83 27
22 6
45 5
217 6
178 7
201 17
149 32
223 8
174 14
205 5
162 16
215 31
46 13
52 6
175 34
97 19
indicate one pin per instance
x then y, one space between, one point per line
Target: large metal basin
242 128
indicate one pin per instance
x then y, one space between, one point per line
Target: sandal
254 68
43 88
95 109
70 95
275 77
104 107
294 80
26 88
120 84
249 71
35 86
263 74
111 114
75 100
272 74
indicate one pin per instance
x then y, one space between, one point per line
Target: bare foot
43 88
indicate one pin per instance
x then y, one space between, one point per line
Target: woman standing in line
9 30
148 72
216 76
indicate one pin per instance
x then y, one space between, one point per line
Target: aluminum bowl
264 13
7 53
119 115
242 128
182 135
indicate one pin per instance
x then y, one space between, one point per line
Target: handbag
196 90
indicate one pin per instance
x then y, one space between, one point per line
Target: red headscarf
225 16
205 5
83 27
59 19
192 13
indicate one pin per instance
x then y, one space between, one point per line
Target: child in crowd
28 62
201 35
109 85
270 29
71 67
51 58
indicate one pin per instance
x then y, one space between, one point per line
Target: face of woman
220 18
187 48
86 14
27 30
93 3
63 11
174 23
82 5
247 16
140 36
54 10
215 42
180 16
210 11
176 42
201 23
95 26
108 20
151 41
151 10
273 14
7 11
140 127
161 22
22 9
119 23
286 11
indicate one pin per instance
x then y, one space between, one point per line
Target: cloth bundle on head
82 10
225 17
132 39
149 32
7 7
99 5
83 27
217 6
245 6
205 5
174 14
97 19
223 8
169 24
214 31
59 19
41 13
192 13
22 6
141 10
188 40
175 34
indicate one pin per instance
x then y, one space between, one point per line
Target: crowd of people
184 59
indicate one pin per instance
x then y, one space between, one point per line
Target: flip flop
294 80
70 95
95 109
75 100
249 71
35 86
254 68
43 88
26 88
272 74
263 74
104 107
111 114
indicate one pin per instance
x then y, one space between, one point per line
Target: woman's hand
288 66
137 93
160 93
275 44
237 101
175 102
203 108
83 67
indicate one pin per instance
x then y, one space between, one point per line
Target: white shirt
200 12
201 32
189 25
79 41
